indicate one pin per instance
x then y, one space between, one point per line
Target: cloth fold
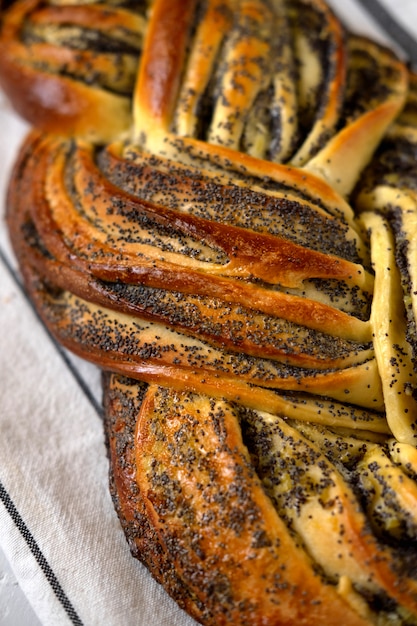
58 527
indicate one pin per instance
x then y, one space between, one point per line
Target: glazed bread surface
217 241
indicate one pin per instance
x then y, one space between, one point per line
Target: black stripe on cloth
5 497
87 391
40 558
393 28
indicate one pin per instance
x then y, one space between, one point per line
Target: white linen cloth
58 528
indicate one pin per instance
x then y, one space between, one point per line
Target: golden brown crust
163 58
236 550
57 105
261 406
48 83
216 531
227 593
122 400
274 357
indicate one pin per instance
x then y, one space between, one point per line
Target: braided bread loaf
229 233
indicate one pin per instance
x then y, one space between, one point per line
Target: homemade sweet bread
70 67
237 253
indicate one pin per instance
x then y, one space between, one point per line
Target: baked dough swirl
220 251
71 66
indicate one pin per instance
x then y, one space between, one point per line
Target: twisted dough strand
202 247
